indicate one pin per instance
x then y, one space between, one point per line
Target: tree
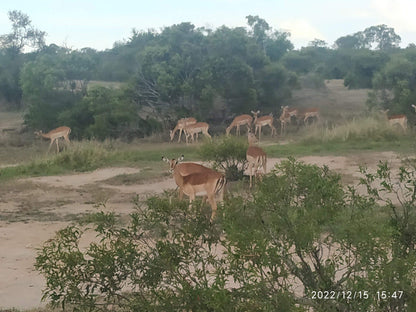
11 59
23 34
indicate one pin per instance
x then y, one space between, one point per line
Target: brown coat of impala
256 157
259 122
182 123
193 179
239 121
54 135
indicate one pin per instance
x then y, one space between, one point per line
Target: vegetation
154 78
299 239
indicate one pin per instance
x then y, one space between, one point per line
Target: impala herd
194 179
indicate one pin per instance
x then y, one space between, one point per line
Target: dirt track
32 210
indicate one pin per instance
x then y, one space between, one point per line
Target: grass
90 155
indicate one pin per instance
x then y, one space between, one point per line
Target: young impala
193 179
182 123
54 135
194 129
393 120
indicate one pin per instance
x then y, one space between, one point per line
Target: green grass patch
90 155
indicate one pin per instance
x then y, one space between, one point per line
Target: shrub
300 242
228 153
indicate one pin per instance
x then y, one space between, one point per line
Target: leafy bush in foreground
300 241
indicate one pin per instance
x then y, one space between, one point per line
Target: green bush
300 242
228 153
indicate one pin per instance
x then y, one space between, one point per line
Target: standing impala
54 135
239 121
194 179
393 120
284 119
259 122
194 129
182 123
256 157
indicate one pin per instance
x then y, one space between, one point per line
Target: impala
196 128
284 119
239 121
393 120
310 113
193 179
182 123
263 121
54 135
256 157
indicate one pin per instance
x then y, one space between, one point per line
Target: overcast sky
99 24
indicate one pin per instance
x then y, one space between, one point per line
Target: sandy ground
32 210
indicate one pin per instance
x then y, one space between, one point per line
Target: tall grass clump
366 128
79 157
83 156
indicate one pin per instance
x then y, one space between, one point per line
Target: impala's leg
250 170
57 144
180 134
211 200
180 193
50 145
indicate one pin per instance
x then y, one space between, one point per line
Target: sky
77 24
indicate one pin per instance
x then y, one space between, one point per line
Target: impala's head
38 133
255 114
172 162
252 139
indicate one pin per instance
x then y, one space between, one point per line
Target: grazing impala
256 157
194 129
259 122
393 120
182 123
54 135
310 113
284 119
239 121
193 179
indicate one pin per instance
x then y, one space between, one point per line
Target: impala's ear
258 112
252 112
165 159
181 158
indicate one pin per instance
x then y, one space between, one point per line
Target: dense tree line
183 70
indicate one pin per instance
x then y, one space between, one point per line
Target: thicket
183 70
301 240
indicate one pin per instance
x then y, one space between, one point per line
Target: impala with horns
239 121
259 122
194 129
256 157
393 120
182 123
54 135
196 180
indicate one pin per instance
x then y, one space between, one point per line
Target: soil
32 210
